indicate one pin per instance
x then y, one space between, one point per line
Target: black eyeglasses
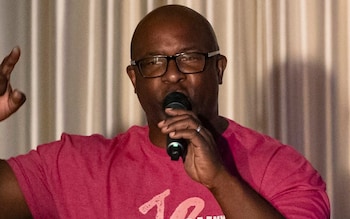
187 63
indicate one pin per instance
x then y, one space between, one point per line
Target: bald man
216 169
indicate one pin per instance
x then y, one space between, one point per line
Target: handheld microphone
176 147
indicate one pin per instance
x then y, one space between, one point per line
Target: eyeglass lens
186 63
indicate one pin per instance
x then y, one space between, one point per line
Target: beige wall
287 76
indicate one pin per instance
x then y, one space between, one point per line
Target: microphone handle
176 148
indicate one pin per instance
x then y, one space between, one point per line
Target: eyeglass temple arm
210 54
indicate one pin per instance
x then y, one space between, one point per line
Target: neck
216 126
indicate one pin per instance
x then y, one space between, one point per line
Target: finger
9 62
179 127
3 84
196 138
176 112
179 119
17 98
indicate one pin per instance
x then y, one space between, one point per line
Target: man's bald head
174 17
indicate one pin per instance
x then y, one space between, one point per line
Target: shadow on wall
305 100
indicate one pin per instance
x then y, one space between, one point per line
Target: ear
132 75
221 66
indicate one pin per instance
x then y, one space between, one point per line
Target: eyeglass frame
173 57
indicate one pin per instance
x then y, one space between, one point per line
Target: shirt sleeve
31 171
294 187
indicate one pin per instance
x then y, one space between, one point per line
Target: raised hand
10 100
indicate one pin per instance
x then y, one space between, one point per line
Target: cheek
208 83
205 91
144 93
148 93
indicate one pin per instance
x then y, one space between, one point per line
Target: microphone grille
177 100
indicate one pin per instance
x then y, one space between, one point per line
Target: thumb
3 84
16 100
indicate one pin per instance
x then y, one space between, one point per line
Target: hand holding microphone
204 161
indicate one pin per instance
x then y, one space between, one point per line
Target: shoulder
260 149
277 171
80 147
94 141
244 138
262 159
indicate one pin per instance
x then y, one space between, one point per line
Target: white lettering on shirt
181 210
158 201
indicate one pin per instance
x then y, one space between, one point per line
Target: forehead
171 33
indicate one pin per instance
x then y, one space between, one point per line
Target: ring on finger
198 129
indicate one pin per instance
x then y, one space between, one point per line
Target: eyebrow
183 50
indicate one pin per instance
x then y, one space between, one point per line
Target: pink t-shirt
128 177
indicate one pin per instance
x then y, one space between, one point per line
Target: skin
11 100
167 31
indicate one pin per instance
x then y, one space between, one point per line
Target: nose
173 75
